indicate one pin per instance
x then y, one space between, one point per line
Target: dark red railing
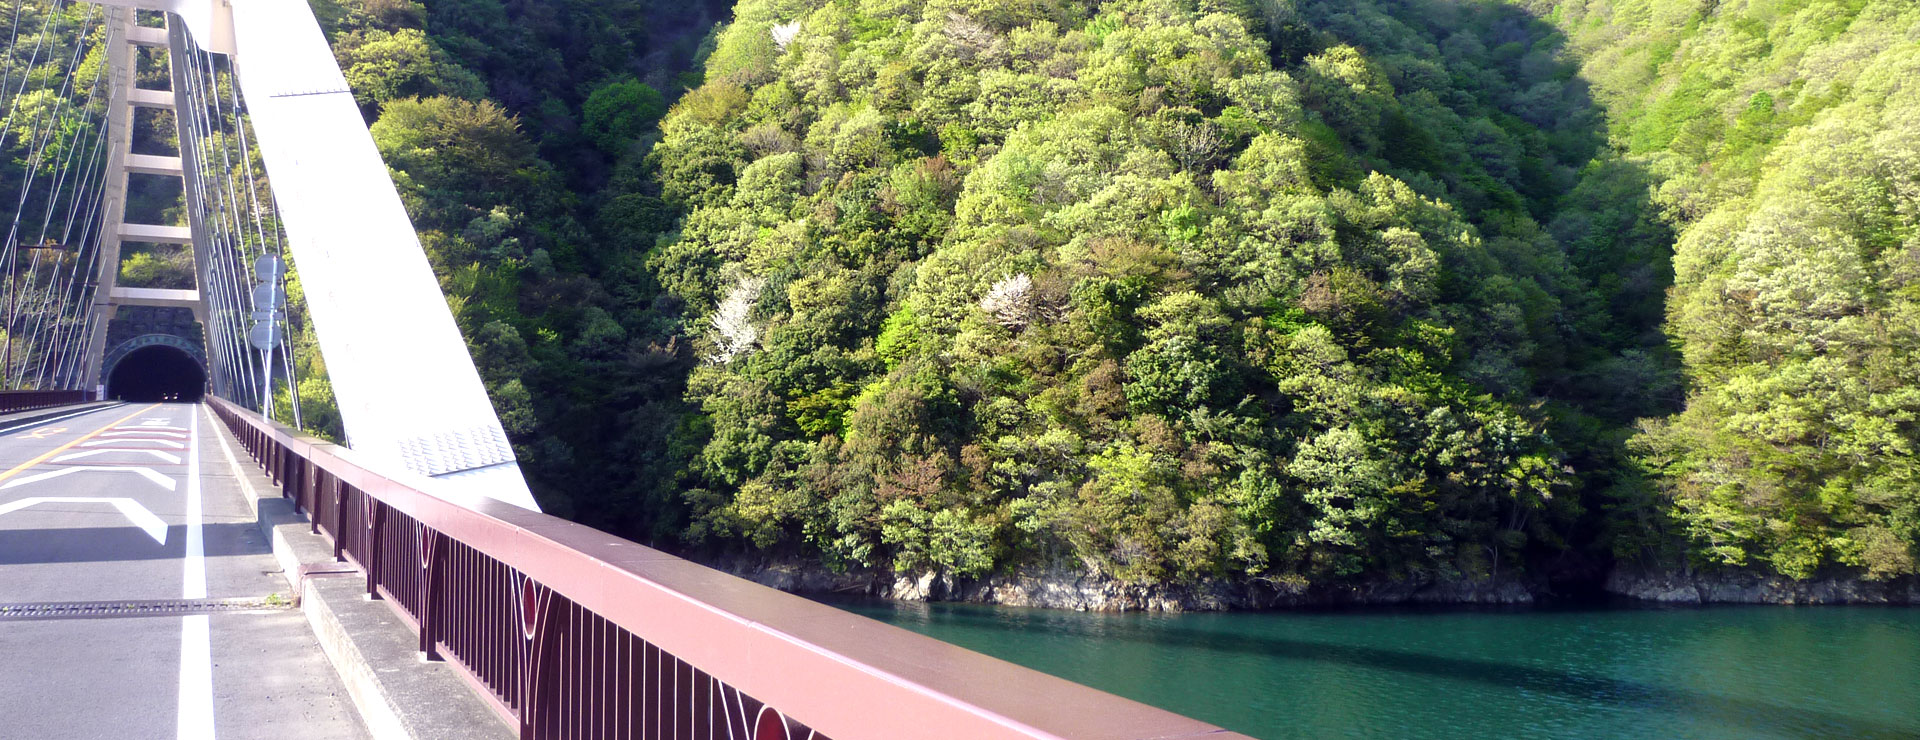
575 633
11 401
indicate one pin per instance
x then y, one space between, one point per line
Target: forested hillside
516 133
1786 137
1287 292
985 285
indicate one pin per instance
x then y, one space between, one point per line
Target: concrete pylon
124 37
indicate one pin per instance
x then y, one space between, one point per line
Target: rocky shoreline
1063 588
1680 587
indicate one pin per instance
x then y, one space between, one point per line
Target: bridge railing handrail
11 401
604 621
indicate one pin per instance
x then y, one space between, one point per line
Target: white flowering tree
1010 301
734 334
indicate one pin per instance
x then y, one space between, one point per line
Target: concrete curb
399 694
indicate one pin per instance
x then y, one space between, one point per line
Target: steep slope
1788 135
980 286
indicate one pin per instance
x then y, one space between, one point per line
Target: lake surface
1618 672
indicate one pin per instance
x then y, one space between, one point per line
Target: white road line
233 463
196 679
141 517
146 473
169 444
155 435
196 632
196 577
165 456
150 428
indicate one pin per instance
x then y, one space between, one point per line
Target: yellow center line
57 450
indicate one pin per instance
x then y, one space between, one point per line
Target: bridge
179 559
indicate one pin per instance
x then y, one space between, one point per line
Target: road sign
267 269
267 296
264 335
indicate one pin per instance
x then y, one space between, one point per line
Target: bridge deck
137 506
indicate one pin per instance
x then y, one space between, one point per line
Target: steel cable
43 129
36 318
212 200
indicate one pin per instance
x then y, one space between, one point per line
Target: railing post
432 555
340 533
302 478
314 481
294 466
370 555
290 479
541 622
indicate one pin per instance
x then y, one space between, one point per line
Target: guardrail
575 633
11 401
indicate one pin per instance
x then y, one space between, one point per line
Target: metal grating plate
151 608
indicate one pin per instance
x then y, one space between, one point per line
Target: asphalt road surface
138 506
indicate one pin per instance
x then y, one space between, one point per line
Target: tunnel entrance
156 373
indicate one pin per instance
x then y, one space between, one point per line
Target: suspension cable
36 319
276 295
53 312
223 235
44 131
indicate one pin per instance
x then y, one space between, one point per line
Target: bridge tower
411 402
104 347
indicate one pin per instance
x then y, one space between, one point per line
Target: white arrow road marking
151 428
134 512
170 435
51 474
162 442
165 456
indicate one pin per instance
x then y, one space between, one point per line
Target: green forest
1287 294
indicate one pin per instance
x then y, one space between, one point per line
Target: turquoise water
1722 672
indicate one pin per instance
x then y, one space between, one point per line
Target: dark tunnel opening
157 373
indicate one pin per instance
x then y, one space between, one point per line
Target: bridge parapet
11 401
575 633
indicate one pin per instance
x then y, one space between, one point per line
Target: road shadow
127 543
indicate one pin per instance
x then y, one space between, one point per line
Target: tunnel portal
156 373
